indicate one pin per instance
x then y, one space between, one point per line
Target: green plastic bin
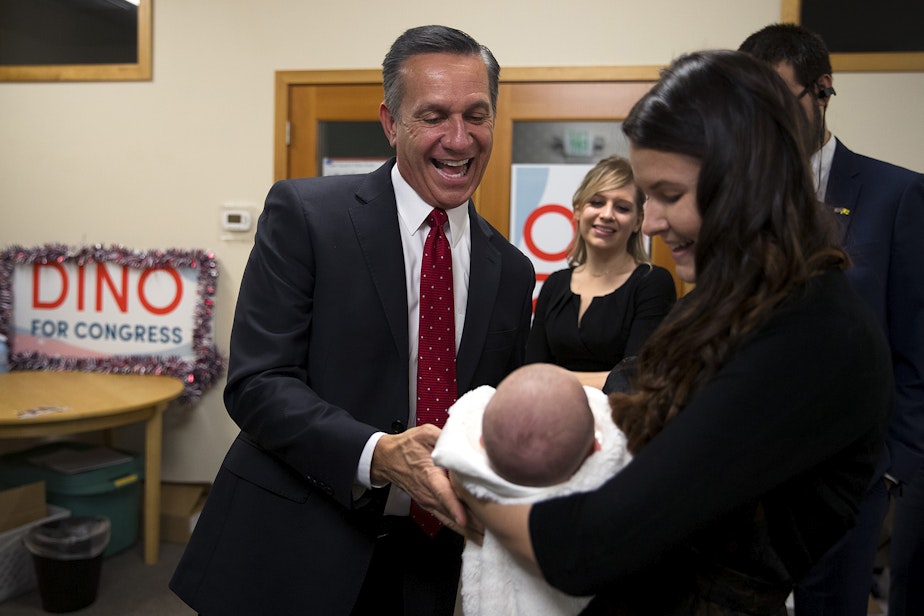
113 491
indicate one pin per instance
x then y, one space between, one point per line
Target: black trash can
68 558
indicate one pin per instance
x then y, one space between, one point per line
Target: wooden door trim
285 80
591 75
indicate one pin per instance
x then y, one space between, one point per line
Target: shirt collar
413 211
821 167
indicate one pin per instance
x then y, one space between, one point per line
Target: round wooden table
51 403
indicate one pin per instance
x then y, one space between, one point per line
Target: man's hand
404 460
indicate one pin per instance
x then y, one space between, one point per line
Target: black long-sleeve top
758 475
613 326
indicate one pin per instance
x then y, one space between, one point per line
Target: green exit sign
579 143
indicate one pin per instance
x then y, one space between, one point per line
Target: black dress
614 325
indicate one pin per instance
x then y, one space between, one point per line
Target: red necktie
436 351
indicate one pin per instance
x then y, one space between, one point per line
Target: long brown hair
763 233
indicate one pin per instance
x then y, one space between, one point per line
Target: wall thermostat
235 220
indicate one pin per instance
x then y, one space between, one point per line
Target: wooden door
306 98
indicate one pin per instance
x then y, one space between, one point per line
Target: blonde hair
609 174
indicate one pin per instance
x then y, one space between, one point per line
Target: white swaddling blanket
493 583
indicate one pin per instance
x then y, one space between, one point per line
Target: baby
537 428
540 434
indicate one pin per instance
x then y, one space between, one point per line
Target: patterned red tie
436 351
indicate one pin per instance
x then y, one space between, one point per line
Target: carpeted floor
127 587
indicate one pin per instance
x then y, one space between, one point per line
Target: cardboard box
21 505
180 505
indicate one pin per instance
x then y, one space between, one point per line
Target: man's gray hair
432 39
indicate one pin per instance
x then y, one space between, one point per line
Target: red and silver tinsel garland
197 375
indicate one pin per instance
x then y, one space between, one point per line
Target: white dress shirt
821 167
412 218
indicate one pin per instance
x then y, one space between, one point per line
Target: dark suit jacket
319 362
884 234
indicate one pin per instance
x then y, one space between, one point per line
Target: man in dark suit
881 210
309 511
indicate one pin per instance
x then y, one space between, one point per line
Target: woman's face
608 219
669 181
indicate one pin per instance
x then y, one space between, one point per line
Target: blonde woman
603 307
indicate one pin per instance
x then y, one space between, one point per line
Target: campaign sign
99 309
542 221
110 309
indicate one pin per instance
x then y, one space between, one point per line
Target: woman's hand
474 529
508 523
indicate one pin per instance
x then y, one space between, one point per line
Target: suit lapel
375 222
483 283
843 190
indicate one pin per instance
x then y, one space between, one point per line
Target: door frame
590 93
286 80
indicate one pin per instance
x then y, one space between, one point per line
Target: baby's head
538 428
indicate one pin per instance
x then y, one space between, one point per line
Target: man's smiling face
444 131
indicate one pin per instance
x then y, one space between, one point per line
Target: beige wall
148 165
